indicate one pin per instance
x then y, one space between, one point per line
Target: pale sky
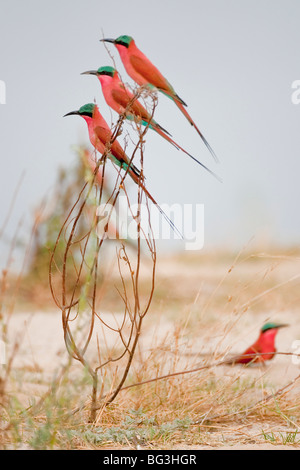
233 62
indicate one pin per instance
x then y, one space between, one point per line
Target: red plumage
263 349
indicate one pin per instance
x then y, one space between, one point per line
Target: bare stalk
79 290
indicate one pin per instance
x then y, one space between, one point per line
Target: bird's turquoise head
109 71
85 110
123 40
272 326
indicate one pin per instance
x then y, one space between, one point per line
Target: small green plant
269 437
136 429
288 438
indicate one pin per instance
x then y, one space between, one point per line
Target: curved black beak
90 72
282 325
71 113
108 40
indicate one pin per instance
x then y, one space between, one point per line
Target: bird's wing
248 356
255 349
153 76
150 73
123 97
116 152
251 353
103 134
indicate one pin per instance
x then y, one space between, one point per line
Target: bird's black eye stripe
122 43
87 114
110 74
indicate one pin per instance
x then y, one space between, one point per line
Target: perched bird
143 72
122 100
263 349
101 138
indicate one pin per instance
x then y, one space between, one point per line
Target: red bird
101 138
143 72
263 349
122 100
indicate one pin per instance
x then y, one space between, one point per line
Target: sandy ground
43 348
42 345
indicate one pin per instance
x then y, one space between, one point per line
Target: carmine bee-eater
101 138
122 100
263 349
143 72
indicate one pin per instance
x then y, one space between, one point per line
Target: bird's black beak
108 40
71 113
282 325
90 72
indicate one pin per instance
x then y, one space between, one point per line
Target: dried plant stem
82 255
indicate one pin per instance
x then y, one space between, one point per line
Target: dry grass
204 308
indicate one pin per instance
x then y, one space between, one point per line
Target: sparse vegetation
212 406
177 393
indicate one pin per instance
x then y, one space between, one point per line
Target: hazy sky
233 62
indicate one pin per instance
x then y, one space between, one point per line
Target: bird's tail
135 171
155 125
132 169
138 180
246 358
188 117
162 134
